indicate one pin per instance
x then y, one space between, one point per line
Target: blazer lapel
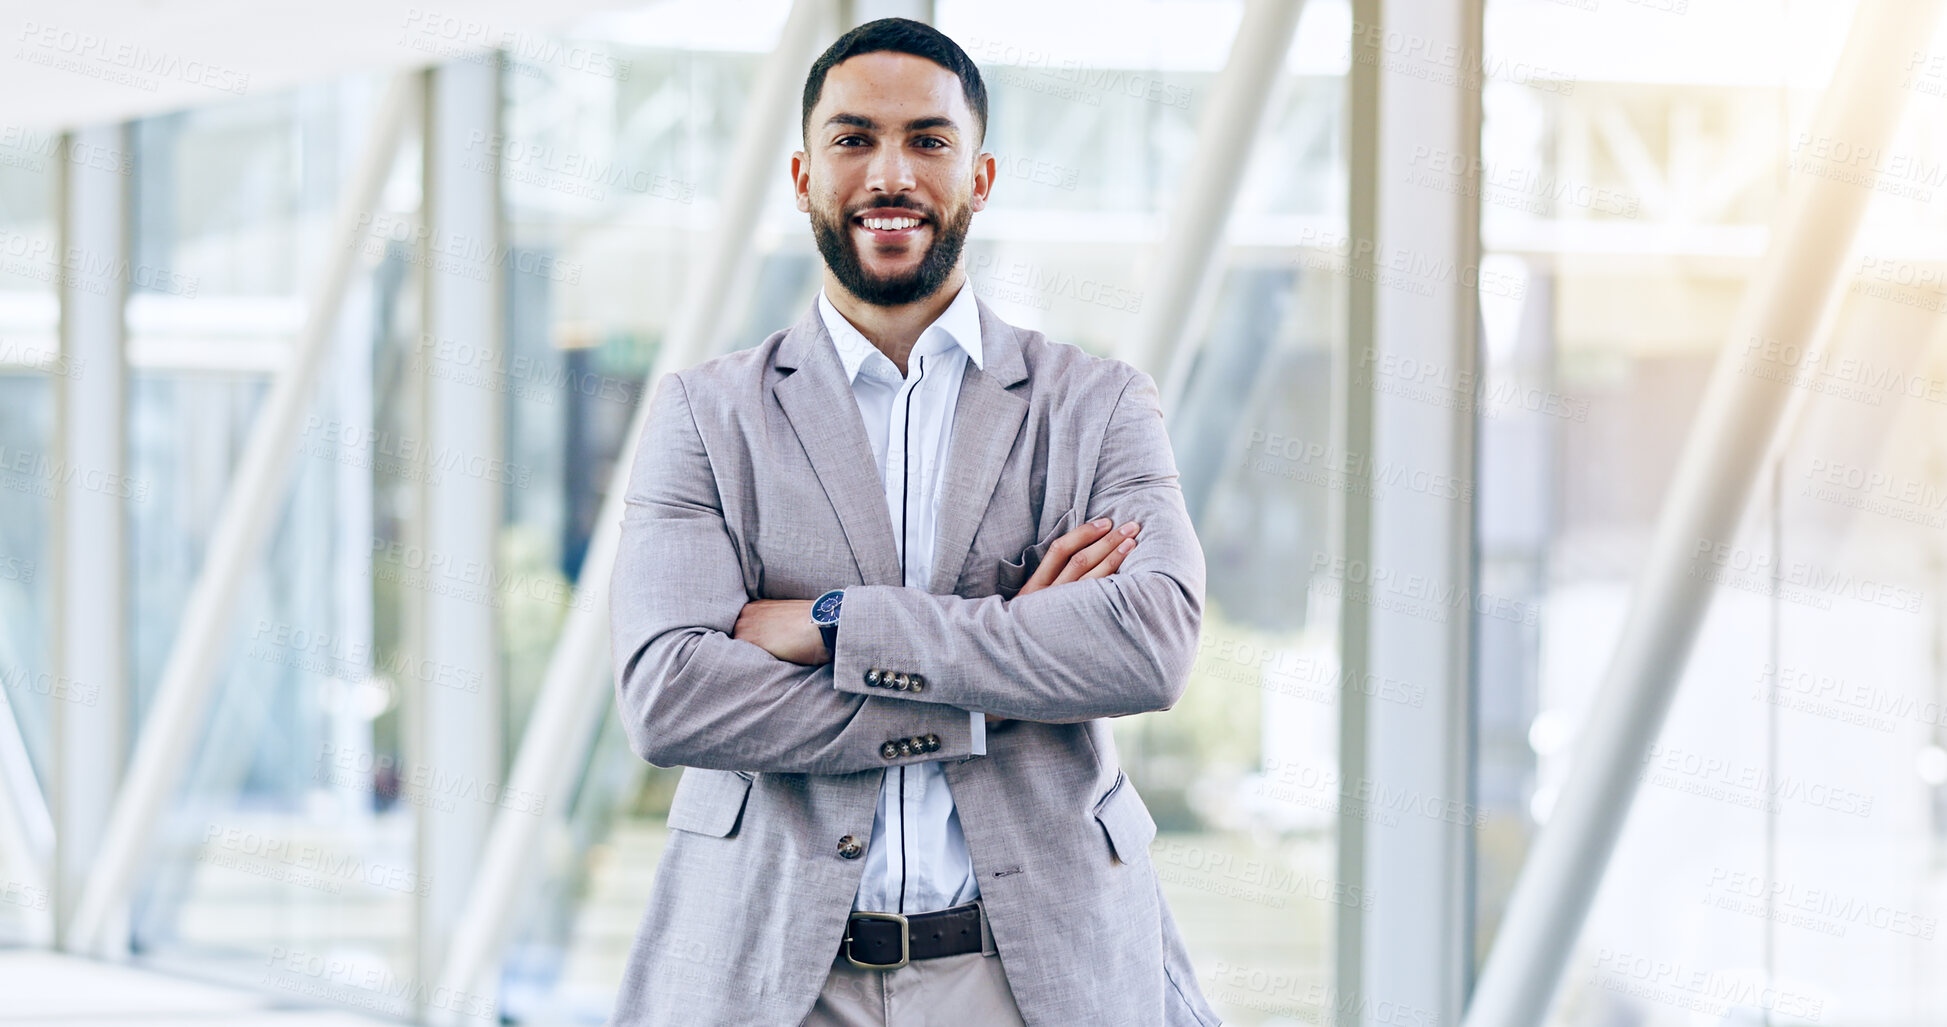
824 414
987 419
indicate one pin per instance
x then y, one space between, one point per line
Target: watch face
825 610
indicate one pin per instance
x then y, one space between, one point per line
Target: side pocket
708 802
1126 821
1016 572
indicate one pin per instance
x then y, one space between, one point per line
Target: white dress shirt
916 860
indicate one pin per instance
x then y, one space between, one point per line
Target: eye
842 140
931 142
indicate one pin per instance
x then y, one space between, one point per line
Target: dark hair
898 35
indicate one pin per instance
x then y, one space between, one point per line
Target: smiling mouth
890 228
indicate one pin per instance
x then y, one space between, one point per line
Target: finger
1112 561
1082 562
1088 557
1059 553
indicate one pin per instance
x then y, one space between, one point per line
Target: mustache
917 210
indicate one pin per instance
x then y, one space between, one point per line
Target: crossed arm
693 693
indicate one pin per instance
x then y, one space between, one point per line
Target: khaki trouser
950 991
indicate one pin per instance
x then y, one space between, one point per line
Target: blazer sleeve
1103 647
691 695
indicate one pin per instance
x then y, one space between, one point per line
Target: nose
890 171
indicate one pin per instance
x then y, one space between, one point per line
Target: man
902 803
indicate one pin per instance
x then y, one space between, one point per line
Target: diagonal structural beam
577 686
1741 412
251 505
1225 142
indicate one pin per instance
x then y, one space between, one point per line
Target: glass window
293 829
614 179
1782 850
32 368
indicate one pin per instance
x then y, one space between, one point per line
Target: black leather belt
888 941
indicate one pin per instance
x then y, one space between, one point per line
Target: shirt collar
958 325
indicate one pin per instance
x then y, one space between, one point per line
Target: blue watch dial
824 613
824 609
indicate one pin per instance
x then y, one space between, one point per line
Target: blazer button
890 750
905 747
899 682
916 683
849 847
872 678
932 743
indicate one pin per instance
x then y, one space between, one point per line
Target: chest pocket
708 802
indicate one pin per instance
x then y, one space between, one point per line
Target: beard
841 251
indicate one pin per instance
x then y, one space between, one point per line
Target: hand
783 628
1090 551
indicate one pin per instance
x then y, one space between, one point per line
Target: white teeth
889 224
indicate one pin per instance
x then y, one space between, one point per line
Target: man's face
890 176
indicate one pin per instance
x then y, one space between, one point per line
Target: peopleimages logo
111 60
477 581
1344 468
1404 268
567 171
1794 581
1842 699
1712 992
1324 788
1288 672
420 784
1411 593
26 896
1822 910
1034 70
13 568
1254 880
1506 185
1743 784
1043 282
32 148
1875 491
367 985
330 655
528 376
1411 55
451 35
25 471
1814 369
1869 167
456 253
307 864
360 445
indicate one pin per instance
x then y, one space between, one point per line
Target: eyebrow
915 125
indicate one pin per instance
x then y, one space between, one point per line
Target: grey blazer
754 480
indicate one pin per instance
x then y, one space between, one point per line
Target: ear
983 180
801 180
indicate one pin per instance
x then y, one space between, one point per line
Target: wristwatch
824 613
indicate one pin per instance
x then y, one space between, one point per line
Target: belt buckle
905 940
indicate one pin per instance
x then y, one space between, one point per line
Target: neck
894 330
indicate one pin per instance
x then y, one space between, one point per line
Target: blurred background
1557 387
